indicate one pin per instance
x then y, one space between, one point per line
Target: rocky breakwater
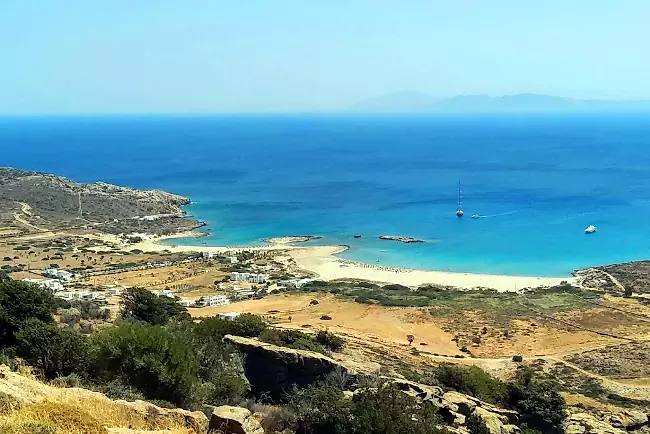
401 239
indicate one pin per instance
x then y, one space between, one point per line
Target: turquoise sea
538 179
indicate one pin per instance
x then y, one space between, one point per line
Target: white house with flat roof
248 277
57 273
52 284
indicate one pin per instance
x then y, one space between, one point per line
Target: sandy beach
322 260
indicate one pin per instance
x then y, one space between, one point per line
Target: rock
493 421
406 240
582 423
273 369
197 421
417 390
459 403
629 420
234 420
451 418
510 429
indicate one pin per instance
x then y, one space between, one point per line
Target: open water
539 180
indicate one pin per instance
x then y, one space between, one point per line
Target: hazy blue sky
81 56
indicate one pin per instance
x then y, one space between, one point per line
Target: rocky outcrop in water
407 240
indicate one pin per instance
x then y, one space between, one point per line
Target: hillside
52 201
522 102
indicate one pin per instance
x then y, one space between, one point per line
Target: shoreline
323 262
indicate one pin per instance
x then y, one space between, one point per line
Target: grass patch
85 415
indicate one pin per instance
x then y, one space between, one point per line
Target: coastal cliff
108 207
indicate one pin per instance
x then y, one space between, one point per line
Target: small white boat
459 210
476 216
590 229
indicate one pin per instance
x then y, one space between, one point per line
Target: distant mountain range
521 102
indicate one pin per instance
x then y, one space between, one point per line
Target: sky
214 56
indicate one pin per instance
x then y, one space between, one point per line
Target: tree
20 301
148 358
410 338
138 304
54 351
4 277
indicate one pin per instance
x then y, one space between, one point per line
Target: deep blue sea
538 179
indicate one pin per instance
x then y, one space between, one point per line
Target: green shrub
291 339
54 351
476 425
538 401
138 304
329 340
19 302
472 380
382 411
149 358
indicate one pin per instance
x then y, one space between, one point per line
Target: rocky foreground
28 403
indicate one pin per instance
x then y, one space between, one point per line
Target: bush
54 351
326 318
472 380
476 425
149 358
517 359
538 401
138 304
219 365
382 411
329 340
20 301
291 339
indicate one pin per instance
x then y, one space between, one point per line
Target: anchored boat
459 210
590 229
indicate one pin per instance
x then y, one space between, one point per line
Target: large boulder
583 423
234 420
459 403
629 420
274 369
495 423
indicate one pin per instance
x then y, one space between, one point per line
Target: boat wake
478 216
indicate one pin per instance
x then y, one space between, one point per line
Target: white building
243 293
57 273
294 283
163 292
229 315
214 300
248 277
115 291
187 303
52 284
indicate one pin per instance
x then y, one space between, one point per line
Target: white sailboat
459 210
590 229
